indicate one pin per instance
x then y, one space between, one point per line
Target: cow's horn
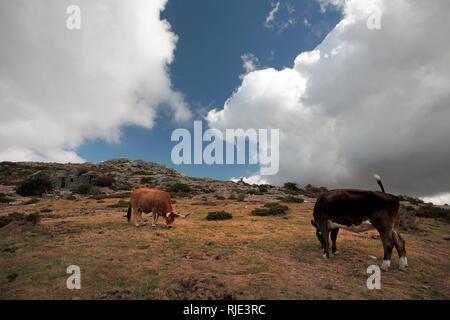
168 214
186 215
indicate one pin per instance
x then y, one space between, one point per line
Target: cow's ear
314 224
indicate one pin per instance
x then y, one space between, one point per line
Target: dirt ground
247 257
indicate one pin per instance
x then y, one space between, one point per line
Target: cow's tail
129 213
377 177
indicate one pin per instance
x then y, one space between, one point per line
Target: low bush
232 197
291 199
179 187
292 186
430 211
270 209
34 186
83 189
219 215
241 197
219 197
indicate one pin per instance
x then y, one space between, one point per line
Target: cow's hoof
403 264
336 252
385 265
325 256
153 226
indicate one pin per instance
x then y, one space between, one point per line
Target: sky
355 87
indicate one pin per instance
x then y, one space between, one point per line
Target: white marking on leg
325 256
385 265
403 264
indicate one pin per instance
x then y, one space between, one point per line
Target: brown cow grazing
156 201
358 211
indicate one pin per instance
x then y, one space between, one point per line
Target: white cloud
363 101
271 17
324 4
255 179
59 88
439 199
280 24
250 63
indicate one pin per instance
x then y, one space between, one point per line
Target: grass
247 257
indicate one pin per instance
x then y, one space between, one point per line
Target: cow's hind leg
135 214
334 234
400 246
325 236
155 218
140 217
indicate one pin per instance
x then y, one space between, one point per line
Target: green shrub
270 209
179 187
291 199
292 186
241 197
71 197
34 186
83 189
219 215
232 197
430 211
219 197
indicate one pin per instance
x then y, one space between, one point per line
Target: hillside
246 257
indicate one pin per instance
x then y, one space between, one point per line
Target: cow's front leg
140 218
334 234
388 243
157 217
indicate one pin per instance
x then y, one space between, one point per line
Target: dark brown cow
156 201
357 211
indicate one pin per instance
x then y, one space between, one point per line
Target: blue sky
213 35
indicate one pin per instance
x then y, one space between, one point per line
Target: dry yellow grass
246 257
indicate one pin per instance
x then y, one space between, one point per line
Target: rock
16 203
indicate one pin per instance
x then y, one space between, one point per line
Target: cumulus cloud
363 101
60 87
255 179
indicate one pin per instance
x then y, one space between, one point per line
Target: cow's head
318 233
170 218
